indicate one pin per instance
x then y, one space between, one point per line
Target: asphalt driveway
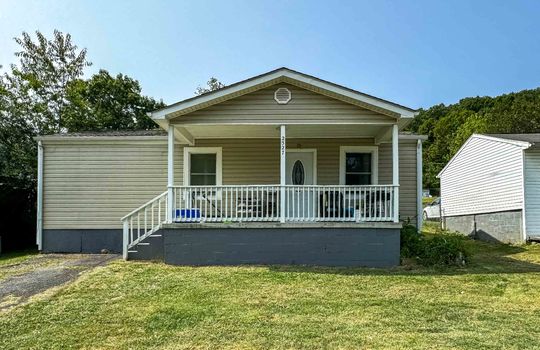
43 272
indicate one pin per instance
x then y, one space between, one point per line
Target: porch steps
149 249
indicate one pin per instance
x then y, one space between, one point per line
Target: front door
299 171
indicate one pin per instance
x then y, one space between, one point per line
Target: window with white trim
358 165
202 166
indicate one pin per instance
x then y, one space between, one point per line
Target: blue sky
417 53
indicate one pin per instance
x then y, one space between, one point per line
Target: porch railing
244 203
143 221
247 203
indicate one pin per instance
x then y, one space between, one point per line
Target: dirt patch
44 272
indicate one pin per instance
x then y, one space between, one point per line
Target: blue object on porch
349 212
188 213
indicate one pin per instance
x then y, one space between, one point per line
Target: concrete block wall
506 227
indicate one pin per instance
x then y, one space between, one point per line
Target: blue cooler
188 213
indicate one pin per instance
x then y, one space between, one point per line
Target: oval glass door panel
298 174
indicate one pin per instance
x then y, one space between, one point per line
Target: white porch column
170 174
283 153
395 170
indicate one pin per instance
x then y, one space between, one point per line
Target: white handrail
152 214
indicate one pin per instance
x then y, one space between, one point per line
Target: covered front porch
356 196
320 181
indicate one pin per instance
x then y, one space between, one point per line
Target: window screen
358 169
203 169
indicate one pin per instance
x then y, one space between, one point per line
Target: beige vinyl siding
485 176
256 161
407 175
304 107
92 184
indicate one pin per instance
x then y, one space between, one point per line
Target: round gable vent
282 96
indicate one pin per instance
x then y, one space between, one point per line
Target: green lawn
492 303
14 258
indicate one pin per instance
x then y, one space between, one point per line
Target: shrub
441 249
410 241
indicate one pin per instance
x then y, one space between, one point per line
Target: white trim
218 151
39 214
282 170
395 169
521 144
419 209
313 151
179 122
170 173
524 204
279 101
277 76
374 150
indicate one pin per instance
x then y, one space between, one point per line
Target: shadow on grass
486 258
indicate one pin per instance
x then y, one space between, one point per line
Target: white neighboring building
491 188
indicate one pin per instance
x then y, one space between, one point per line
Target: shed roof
532 138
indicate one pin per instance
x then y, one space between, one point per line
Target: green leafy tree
104 102
448 127
33 98
212 84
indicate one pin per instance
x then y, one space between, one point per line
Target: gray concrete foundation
506 227
82 241
371 247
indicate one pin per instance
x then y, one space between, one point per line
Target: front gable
304 107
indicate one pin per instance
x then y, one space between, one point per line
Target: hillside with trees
449 126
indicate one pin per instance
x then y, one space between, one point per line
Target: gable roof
523 141
292 77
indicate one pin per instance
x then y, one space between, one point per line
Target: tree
33 98
448 127
104 102
43 94
211 85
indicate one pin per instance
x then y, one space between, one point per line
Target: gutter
39 224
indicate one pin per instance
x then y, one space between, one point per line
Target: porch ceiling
379 132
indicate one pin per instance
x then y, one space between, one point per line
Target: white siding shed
493 174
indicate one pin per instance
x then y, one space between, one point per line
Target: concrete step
151 248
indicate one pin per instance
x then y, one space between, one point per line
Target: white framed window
202 166
358 165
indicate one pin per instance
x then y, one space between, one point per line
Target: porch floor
258 224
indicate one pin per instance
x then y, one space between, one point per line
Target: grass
490 304
18 257
427 201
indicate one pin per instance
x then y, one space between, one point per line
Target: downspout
524 206
419 209
39 214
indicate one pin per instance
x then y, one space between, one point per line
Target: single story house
491 188
280 168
